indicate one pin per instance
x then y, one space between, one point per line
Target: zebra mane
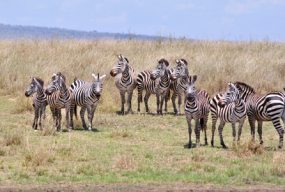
164 61
244 86
40 81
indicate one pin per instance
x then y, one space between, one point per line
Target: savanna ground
135 152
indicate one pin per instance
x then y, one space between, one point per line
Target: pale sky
236 20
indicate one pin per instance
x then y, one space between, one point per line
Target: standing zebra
156 82
125 81
230 108
178 77
269 107
60 97
86 95
197 107
39 100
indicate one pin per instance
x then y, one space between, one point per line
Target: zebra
268 107
230 108
178 77
39 101
154 82
197 107
60 97
125 81
86 95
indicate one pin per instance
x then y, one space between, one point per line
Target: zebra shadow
82 129
193 145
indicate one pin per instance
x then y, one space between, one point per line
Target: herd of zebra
239 101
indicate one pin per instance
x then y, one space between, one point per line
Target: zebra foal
229 108
39 101
268 107
178 78
86 95
197 107
60 97
125 81
155 82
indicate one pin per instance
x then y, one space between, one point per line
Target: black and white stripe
179 76
39 100
86 95
268 107
229 108
125 81
197 107
60 97
156 82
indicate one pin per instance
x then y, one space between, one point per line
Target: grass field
134 150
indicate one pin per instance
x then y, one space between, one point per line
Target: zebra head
190 87
231 95
160 69
180 70
57 82
120 66
97 85
33 87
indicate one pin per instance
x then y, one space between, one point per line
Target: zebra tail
75 112
202 121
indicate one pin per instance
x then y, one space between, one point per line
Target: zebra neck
40 92
64 92
239 104
126 75
165 79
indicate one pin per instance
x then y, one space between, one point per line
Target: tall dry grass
259 64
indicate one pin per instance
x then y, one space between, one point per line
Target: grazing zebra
125 81
156 82
197 107
86 95
230 108
268 107
60 97
39 100
178 77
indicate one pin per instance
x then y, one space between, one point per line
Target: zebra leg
122 93
197 132
240 128
234 130
146 97
259 130
44 117
220 129
279 129
67 114
71 115
205 120
90 111
158 104
139 98
36 117
179 103
166 100
82 111
214 121
130 95
173 98
251 121
59 117
189 131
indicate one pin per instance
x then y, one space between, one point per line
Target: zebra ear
177 61
194 78
119 57
94 75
